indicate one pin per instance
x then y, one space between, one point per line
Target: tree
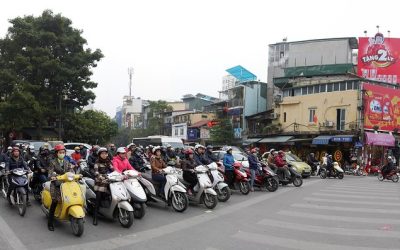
94 127
45 70
222 133
156 117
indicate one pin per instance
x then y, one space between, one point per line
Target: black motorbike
18 197
294 178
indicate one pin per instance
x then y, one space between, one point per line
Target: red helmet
188 152
254 150
237 164
59 147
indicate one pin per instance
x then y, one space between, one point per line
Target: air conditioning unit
329 123
278 98
274 116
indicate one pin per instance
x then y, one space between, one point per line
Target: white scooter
136 192
203 192
117 205
218 184
174 193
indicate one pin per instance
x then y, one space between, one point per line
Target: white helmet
121 150
198 146
390 158
31 147
228 149
156 148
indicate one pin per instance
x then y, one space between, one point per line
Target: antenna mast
130 73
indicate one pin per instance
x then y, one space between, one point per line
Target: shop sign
338 155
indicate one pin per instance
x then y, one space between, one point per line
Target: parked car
36 144
70 148
300 166
54 143
238 156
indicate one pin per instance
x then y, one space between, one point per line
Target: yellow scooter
72 202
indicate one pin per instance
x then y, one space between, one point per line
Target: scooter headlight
70 176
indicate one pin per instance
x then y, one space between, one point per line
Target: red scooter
265 177
391 176
240 179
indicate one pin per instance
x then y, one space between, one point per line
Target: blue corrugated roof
241 74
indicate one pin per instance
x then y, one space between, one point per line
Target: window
181 131
329 87
311 116
304 91
336 86
340 119
356 85
310 90
286 93
342 86
284 116
316 89
176 132
297 91
349 85
322 88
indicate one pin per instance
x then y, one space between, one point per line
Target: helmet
237 164
198 146
188 152
31 147
210 147
9 148
330 156
59 147
254 150
155 149
168 146
77 148
272 150
228 149
14 149
390 158
100 150
121 150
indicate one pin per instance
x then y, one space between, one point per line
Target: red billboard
381 107
379 58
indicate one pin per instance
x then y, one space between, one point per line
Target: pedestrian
253 165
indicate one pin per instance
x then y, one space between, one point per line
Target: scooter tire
224 194
77 226
210 201
21 203
340 176
271 184
395 178
129 221
298 181
139 212
380 177
322 175
183 199
244 188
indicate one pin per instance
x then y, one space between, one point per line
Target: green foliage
222 133
90 126
45 70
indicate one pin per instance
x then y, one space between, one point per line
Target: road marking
353 202
365 191
339 218
295 244
330 230
119 242
8 236
348 209
356 192
356 196
371 187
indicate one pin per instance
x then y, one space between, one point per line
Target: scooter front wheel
395 178
210 201
340 176
125 218
271 184
323 175
139 212
380 177
21 203
77 226
224 194
297 182
244 187
180 201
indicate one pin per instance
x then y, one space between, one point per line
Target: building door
340 119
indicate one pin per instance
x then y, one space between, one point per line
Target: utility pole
130 73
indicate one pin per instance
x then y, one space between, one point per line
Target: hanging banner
381 107
379 58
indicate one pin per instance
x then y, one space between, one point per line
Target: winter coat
13 163
57 168
228 162
120 165
253 161
136 161
101 170
188 164
199 159
157 164
279 162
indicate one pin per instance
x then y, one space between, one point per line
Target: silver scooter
117 203
136 192
218 184
3 180
203 192
174 193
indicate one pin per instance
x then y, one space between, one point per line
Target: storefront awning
342 138
380 139
276 139
251 141
322 139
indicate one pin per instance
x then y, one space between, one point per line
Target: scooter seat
46 185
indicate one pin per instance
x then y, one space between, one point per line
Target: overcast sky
178 47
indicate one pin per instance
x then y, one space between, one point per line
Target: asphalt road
354 213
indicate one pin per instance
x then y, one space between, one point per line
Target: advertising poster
379 58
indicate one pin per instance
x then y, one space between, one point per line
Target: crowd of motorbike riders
102 160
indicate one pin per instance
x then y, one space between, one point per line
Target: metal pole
59 124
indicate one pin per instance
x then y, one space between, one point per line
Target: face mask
61 156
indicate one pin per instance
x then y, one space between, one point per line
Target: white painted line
352 219
370 197
8 236
330 230
366 193
347 209
363 190
269 240
397 204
